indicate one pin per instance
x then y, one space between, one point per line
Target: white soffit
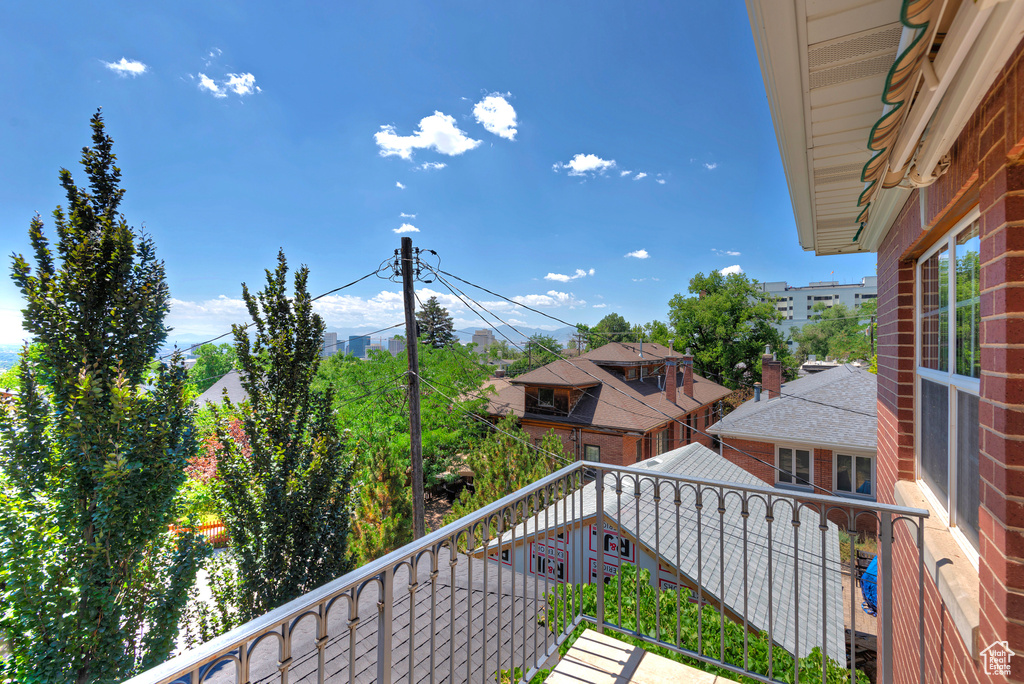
824 64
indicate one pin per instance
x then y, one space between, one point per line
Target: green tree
727 325
505 462
838 332
612 328
285 504
538 351
434 326
213 363
10 379
372 410
92 582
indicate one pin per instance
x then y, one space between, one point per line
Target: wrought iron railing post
599 529
385 623
885 570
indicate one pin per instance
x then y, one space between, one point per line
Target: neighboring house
820 429
939 196
231 382
672 556
618 404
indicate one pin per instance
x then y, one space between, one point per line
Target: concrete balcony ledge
600 659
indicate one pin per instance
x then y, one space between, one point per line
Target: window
661 445
854 475
592 452
794 466
630 373
546 397
948 376
639 449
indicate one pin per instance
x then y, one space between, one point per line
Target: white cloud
562 278
599 306
127 67
661 181
552 298
724 252
11 331
638 254
710 166
582 164
399 185
639 280
625 172
496 115
437 131
406 228
207 83
640 175
404 215
728 270
432 166
242 84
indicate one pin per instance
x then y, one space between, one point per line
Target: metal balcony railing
496 593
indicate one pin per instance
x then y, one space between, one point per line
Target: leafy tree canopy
213 362
92 583
611 328
538 351
837 332
727 324
434 326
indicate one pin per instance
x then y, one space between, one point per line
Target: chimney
771 374
688 373
757 391
670 379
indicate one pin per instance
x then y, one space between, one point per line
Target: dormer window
546 397
631 373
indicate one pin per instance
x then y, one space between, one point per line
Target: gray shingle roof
232 382
835 407
793 627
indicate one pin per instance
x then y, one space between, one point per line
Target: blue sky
571 135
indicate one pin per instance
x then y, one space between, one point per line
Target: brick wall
765 451
986 159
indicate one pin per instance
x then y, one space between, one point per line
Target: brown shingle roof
611 401
629 352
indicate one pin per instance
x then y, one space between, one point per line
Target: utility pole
412 342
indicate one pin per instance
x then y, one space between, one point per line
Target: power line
612 387
249 325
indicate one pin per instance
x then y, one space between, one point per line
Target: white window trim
855 453
779 468
949 378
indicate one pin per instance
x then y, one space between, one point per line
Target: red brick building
619 404
814 434
901 128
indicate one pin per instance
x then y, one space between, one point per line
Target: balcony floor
600 659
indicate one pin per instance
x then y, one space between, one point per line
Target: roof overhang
851 159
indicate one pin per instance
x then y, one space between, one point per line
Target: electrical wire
249 325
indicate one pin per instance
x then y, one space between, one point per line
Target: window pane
935 311
785 464
844 473
864 476
803 467
968 300
591 452
935 438
639 449
967 483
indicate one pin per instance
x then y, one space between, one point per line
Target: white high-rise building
797 303
483 339
330 345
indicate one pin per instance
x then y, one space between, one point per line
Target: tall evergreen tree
92 583
286 504
434 326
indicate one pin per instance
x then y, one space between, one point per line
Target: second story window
546 397
794 466
855 475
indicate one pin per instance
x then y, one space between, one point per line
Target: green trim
863 216
857 236
897 105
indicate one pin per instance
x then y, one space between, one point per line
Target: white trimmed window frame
778 465
944 507
871 455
